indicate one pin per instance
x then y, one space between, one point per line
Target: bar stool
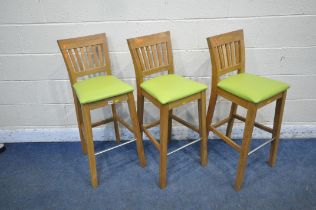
85 57
252 92
152 54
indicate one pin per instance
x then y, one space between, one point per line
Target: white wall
280 38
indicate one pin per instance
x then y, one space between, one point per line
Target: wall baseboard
107 133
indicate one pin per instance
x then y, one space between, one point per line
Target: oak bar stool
153 54
252 92
85 57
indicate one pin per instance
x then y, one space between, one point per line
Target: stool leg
80 125
242 163
233 110
203 132
211 109
164 112
90 145
136 128
278 115
169 126
140 111
116 128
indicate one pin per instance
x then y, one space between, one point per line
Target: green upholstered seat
99 88
171 87
251 87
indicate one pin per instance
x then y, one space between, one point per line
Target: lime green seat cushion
251 87
171 87
99 88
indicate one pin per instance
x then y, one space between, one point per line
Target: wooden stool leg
136 128
164 112
80 125
233 110
170 126
116 127
211 109
140 111
90 145
278 115
202 125
242 163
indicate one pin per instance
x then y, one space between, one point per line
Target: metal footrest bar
180 148
109 149
262 145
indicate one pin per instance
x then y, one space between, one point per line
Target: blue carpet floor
56 176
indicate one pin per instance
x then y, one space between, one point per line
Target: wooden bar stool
252 92
153 54
85 57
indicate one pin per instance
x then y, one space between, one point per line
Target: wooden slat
155 70
73 60
232 49
140 58
101 57
151 99
152 124
270 100
90 71
185 123
102 122
149 56
221 122
145 59
81 68
184 100
235 99
225 55
221 57
151 138
258 125
98 104
164 53
126 125
95 56
159 53
229 69
84 58
237 51
228 52
229 141
155 55
89 51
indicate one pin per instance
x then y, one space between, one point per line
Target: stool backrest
151 54
85 55
227 53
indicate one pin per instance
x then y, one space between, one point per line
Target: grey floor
56 176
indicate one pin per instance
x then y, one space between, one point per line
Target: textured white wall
280 38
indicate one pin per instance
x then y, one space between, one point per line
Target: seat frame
227 52
152 54
86 56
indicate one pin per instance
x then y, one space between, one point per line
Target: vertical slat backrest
151 54
227 53
85 55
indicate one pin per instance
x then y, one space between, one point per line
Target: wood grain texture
227 52
85 56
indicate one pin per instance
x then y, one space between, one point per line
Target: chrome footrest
109 149
262 145
184 146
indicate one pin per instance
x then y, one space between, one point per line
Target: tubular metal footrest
265 143
109 149
180 148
